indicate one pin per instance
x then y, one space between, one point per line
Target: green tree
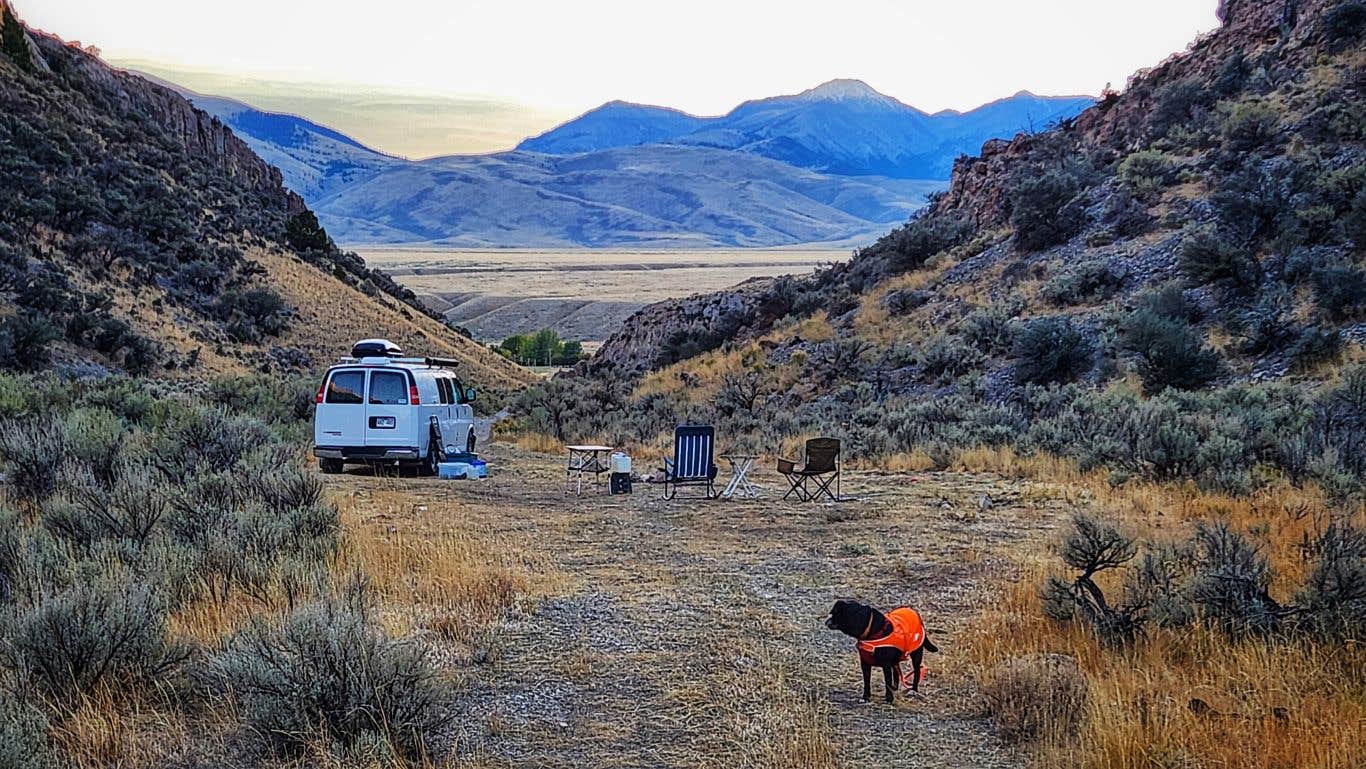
543 347
12 39
572 352
514 346
305 233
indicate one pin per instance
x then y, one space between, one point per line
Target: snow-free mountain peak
844 89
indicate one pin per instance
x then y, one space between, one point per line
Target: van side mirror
469 394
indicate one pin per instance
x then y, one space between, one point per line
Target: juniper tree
12 39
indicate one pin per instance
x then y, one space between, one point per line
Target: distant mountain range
832 165
841 127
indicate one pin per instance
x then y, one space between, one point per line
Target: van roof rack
381 359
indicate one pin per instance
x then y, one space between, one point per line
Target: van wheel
469 443
432 464
331 466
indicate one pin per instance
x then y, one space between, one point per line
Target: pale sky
547 59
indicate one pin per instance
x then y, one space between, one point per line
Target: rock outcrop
200 133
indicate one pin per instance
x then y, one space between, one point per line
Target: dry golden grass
112 727
331 317
1273 705
428 570
541 443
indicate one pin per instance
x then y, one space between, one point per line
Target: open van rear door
388 418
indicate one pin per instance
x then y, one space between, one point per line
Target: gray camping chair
818 472
693 462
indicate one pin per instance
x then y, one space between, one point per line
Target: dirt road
689 632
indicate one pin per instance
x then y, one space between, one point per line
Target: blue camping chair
693 460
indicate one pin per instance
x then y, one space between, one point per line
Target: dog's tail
929 645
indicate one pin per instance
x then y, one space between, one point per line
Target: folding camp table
740 465
585 459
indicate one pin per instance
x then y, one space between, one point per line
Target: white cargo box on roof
377 406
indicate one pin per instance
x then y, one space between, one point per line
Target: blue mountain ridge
842 127
834 165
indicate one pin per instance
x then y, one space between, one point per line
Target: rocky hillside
1130 274
139 233
1250 142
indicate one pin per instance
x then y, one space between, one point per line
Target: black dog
884 640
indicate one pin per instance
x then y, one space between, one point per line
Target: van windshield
388 388
346 387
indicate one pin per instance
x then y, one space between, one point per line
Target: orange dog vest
908 633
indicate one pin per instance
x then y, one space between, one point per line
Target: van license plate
383 423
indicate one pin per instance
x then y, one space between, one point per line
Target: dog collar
864 635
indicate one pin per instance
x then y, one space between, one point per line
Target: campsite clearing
633 631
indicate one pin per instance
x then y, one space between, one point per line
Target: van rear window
346 387
388 388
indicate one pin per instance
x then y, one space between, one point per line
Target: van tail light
412 395
321 388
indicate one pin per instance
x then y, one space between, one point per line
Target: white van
377 406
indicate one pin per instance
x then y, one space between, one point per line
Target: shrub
1341 418
304 233
13 41
1340 290
944 355
253 313
1051 350
33 451
989 328
1353 222
1252 202
1170 352
903 301
1091 281
1169 301
1209 257
101 628
1232 581
1251 125
1145 172
327 672
25 340
1036 697
23 737
1334 594
1125 215
1315 345
1343 24
909 246
1045 210
1174 104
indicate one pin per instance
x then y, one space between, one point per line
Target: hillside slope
313 159
645 196
1112 290
139 233
614 124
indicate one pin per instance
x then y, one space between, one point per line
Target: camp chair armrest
786 466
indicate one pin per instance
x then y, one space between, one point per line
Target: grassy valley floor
583 294
633 631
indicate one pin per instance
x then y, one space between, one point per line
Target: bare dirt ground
689 632
582 294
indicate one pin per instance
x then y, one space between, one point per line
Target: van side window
458 390
388 388
346 387
443 386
